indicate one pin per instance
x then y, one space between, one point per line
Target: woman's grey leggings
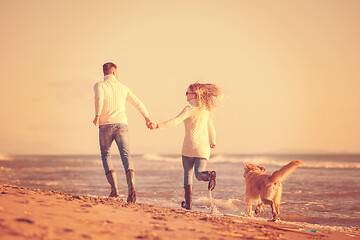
188 164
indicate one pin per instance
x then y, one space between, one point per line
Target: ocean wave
267 161
52 183
258 160
350 165
327 221
5 157
276 162
5 170
232 205
156 157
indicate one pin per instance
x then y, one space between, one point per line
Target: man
110 98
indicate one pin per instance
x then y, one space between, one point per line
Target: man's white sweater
199 130
110 98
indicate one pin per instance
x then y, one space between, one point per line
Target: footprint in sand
68 230
86 236
86 205
23 201
159 218
170 229
149 235
24 220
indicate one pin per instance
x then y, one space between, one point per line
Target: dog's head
253 168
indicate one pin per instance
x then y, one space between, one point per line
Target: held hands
151 124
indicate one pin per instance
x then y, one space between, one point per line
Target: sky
289 70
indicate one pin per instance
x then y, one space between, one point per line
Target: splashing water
214 210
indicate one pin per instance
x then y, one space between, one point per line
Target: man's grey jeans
107 134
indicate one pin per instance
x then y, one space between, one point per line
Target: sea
324 192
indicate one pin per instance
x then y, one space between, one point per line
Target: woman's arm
212 134
185 113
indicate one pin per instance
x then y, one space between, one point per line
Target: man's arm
96 120
99 100
140 107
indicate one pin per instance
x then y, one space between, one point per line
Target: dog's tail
283 172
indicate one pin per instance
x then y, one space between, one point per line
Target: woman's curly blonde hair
209 95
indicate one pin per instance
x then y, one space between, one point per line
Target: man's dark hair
108 68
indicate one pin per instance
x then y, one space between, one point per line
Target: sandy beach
38 214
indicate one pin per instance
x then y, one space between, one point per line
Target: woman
199 135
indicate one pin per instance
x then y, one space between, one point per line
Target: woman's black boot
188 192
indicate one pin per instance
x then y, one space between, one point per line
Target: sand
39 214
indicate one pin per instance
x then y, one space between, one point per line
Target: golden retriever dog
266 188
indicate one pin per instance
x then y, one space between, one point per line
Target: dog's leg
277 208
277 200
274 212
249 206
258 209
273 209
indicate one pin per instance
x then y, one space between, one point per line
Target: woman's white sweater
199 130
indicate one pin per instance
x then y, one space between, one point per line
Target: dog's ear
247 167
261 168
